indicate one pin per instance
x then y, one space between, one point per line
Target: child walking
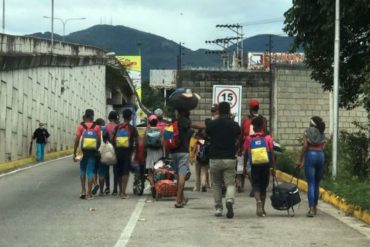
201 154
259 147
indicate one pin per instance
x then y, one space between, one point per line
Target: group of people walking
217 145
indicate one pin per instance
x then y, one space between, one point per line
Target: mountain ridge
159 52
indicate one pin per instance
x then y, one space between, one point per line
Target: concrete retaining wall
28 97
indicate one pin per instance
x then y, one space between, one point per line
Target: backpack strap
84 125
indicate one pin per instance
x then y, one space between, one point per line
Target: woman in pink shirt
259 147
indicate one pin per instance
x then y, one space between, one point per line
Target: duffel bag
165 188
285 196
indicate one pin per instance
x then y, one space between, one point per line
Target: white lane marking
33 166
129 228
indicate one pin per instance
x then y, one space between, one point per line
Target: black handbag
285 196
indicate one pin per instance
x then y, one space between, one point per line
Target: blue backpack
89 139
153 138
259 151
122 136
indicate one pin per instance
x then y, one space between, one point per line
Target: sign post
231 94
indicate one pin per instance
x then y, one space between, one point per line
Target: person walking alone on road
224 135
113 118
180 154
314 159
88 135
41 135
125 140
259 147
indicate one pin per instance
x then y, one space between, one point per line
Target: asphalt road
40 206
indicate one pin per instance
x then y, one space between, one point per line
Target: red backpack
171 135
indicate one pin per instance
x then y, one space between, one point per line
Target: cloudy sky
188 21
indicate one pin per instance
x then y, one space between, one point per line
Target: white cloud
190 21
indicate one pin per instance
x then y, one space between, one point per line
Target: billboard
133 66
163 78
261 61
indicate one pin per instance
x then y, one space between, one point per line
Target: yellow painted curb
329 197
27 161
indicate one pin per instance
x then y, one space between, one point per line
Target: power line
263 21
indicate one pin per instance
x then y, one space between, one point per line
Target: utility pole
270 80
336 87
179 65
224 44
238 29
3 16
270 51
52 25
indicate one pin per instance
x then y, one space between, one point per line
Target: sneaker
95 189
259 210
107 191
179 205
82 196
101 193
230 210
218 212
310 214
89 197
114 193
124 196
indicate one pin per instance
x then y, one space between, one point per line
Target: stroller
165 179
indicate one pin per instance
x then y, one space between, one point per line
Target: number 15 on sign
232 95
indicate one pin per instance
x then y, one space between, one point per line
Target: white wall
30 96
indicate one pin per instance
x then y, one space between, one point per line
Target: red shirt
81 129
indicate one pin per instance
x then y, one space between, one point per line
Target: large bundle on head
184 99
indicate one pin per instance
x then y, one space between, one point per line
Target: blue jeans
40 151
87 164
313 167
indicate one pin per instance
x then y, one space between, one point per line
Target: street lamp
64 22
3 16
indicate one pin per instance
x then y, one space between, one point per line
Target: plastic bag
240 164
108 155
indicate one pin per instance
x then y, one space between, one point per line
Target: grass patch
353 191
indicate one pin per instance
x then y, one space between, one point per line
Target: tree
151 98
311 24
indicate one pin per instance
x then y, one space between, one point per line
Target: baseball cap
254 103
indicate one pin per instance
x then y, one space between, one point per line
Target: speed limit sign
232 95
